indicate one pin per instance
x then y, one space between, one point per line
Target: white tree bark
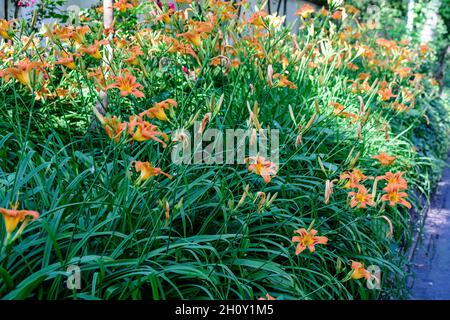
410 17
108 21
432 16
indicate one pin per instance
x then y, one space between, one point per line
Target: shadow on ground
431 262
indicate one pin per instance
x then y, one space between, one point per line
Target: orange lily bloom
387 44
122 5
147 171
395 196
256 19
12 217
22 71
127 85
361 198
143 131
6 29
157 111
67 60
193 37
114 128
386 94
177 46
307 239
352 66
79 33
339 111
135 53
363 76
384 158
424 48
351 9
353 177
262 167
403 72
337 15
284 82
395 180
94 49
359 271
305 11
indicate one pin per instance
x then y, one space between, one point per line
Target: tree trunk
431 21
439 74
16 9
6 9
108 20
410 17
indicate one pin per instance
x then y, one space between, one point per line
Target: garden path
431 261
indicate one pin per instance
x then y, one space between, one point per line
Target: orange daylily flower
127 85
94 49
352 66
256 19
143 131
193 37
284 82
307 239
433 82
424 48
65 33
80 33
363 76
384 158
354 178
337 15
395 180
305 11
6 29
361 198
158 110
262 167
339 111
403 72
387 44
147 171
60 32
395 196
267 297
177 46
67 60
12 217
359 271
114 128
386 94
399 106
98 75
122 5
22 71
351 9
135 53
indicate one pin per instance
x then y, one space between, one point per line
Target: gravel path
431 262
